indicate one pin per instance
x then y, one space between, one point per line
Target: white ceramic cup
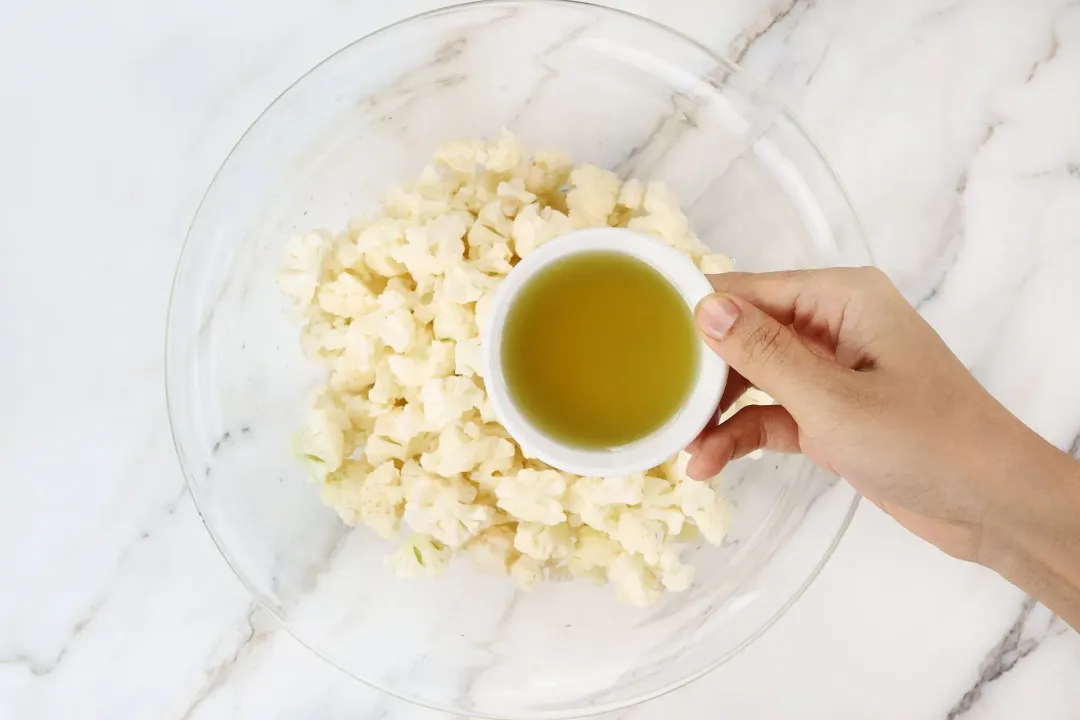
651 450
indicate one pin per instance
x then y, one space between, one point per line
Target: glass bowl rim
760 88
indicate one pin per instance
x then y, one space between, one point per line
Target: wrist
1031 528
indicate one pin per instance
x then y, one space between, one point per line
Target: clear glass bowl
612 89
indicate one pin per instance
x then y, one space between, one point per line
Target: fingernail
716 315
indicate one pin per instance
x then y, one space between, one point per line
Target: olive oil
599 350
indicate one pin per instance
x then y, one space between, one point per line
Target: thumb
764 351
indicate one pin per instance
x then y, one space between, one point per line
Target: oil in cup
599 350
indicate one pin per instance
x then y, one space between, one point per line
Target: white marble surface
955 123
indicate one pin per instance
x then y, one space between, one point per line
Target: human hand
867 390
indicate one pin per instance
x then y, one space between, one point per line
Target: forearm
1031 536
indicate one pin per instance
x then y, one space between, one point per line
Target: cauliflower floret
664 220
454 322
354 369
493 549
461 156
499 464
526 571
493 217
513 196
378 450
411 204
503 155
468 358
543 542
341 490
483 309
436 360
752 396
674 574
321 443
495 259
381 500
445 235
415 254
674 469
441 358
323 335
637 533
346 296
635 583
715 264
418 555
401 424
446 399
456 453
593 196
481 238
597 501
621 490
710 512
660 501
378 242
398 330
548 171
592 554
371 496
444 509
533 496
464 285
534 226
385 391
302 265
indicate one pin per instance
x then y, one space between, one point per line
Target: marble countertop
955 124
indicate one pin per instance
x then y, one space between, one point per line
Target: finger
765 352
782 294
768 427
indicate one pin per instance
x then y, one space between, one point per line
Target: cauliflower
500 463
710 512
403 430
592 554
715 263
446 399
443 508
321 443
461 156
302 266
493 549
373 497
464 285
454 322
504 155
468 358
674 574
401 424
543 542
526 571
418 555
534 226
533 496
593 197
456 453
346 296
635 582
